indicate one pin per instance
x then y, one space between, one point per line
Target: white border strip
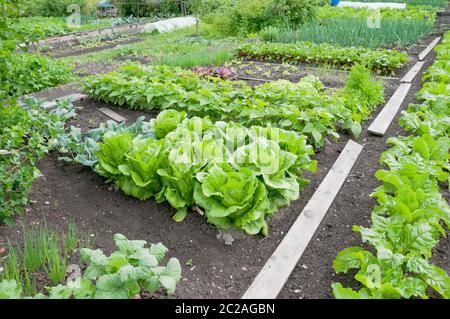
272 278
429 48
381 124
410 76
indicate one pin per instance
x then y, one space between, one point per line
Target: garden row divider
382 122
113 115
75 97
429 48
410 76
275 273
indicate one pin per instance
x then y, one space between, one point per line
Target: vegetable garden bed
91 45
72 191
231 215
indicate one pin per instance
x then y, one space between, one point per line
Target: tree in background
148 8
57 8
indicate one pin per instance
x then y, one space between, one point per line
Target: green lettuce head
140 171
233 198
113 153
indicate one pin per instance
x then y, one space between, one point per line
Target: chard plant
412 214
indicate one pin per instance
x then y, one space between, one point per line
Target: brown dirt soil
75 50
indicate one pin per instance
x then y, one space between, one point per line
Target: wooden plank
111 114
5 152
271 279
48 105
380 125
75 97
410 76
429 48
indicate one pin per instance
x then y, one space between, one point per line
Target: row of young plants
303 107
408 221
424 13
380 61
386 32
132 271
383 28
236 177
41 256
27 133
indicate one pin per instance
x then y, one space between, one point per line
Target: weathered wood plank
276 271
48 105
381 124
113 115
75 97
428 49
5 152
411 75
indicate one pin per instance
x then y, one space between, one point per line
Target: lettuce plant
411 213
233 199
238 176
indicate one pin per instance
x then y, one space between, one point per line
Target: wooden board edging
275 273
382 122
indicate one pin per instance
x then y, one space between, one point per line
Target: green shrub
57 8
27 73
250 16
294 12
40 27
145 8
